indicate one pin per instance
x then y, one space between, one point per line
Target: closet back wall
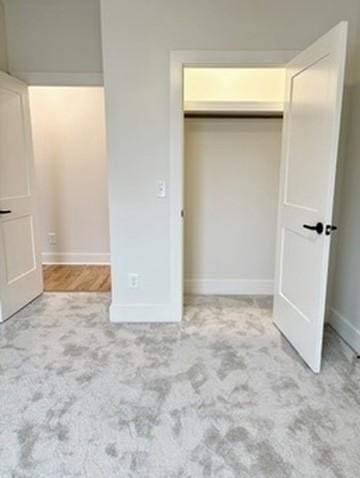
70 164
231 196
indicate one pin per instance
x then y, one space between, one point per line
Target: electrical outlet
52 238
133 281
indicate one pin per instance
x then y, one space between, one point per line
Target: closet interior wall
232 165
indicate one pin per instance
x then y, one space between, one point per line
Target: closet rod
225 115
216 115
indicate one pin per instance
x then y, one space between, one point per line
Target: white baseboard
75 258
229 287
344 328
141 313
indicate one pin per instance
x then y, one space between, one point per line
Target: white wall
54 41
231 197
234 84
137 38
70 163
3 49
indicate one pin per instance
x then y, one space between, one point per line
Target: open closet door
313 103
20 265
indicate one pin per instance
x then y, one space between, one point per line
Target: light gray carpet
222 395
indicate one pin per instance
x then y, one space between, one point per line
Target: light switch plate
133 281
161 189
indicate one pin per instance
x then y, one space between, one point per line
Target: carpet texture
221 395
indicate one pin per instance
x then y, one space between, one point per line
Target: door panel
18 241
310 145
297 278
14 175
20 266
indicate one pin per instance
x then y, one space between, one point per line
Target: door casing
179 60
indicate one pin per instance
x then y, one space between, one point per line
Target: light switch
161 189
134 281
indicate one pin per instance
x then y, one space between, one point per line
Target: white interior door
313 103
20 265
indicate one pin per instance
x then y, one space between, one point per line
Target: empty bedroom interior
98 377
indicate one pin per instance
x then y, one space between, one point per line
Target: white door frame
180 59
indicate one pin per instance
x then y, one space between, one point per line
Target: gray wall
137 38
3 50
344 296
53 36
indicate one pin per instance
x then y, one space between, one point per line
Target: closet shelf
224 109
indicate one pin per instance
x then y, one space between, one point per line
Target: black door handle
319 228
329 229
5 211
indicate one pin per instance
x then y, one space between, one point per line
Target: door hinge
182 213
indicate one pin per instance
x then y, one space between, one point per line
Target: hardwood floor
68 278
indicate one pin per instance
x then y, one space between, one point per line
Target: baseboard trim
344 328
141 313
82 258
229 287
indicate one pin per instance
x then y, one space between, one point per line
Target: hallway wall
70 164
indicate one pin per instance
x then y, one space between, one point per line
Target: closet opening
68 126
232 152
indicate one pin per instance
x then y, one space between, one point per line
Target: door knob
5 211
319 227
